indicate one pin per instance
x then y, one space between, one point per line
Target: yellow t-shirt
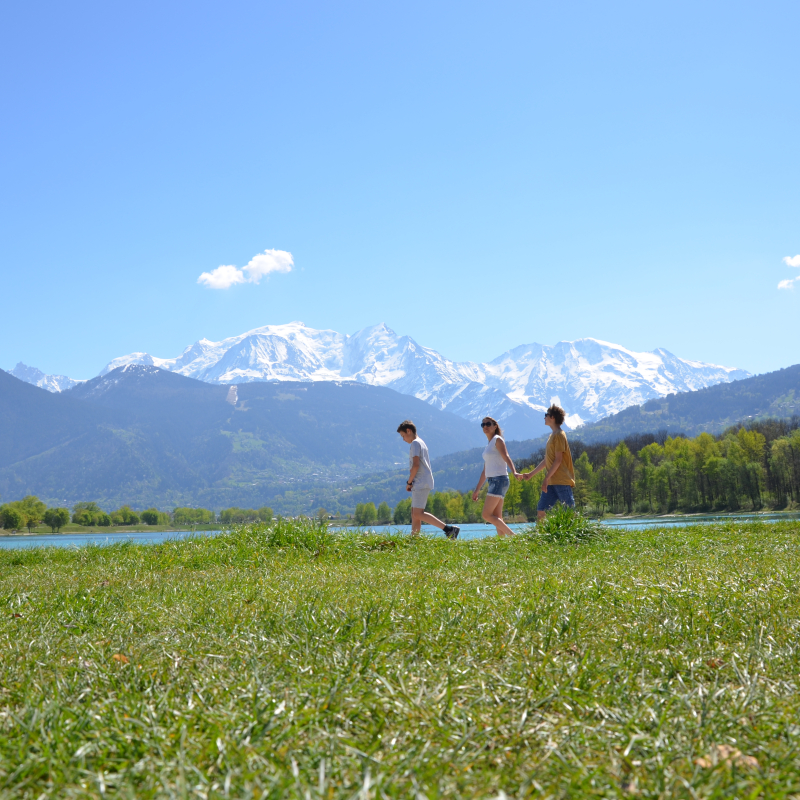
565 474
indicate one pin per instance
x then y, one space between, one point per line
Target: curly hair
557 413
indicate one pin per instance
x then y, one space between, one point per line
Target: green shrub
300 534
564 525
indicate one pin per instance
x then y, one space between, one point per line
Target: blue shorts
556 494
498 486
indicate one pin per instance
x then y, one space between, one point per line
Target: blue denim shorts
498 486
556 494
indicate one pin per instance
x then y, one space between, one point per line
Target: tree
32 510
455 508
56 518
402 512
384 512
265 513
529 494
439 505
12 519
193 516
150 516
623 463
125 516
366 514
598 501
513 496
583 480
86 513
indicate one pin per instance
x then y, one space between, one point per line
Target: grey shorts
419 497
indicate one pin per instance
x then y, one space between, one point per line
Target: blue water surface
468 530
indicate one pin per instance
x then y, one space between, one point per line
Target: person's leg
546 501
416 520
419 499
565 495
493 514
420 515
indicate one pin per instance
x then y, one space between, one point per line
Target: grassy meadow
286 661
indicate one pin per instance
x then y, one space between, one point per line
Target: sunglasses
486 424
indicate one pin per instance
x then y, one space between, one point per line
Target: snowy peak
590 378
53 383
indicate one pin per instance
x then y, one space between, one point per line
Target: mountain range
588 377
774 395
146 436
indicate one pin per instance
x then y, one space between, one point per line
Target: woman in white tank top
495 472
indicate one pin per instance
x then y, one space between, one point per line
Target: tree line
31 512
750 466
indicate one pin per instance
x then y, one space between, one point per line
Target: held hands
519 476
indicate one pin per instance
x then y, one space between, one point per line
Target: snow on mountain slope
53 383
588 377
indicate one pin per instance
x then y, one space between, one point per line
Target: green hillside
772 395
145 436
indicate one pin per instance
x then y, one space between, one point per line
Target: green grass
284 661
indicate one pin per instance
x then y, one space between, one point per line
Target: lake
477 530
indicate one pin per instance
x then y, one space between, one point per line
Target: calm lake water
468 531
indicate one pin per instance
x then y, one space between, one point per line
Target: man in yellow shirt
559 478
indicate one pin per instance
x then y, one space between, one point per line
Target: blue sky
475 175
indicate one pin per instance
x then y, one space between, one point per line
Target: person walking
495 472
559 477
420 482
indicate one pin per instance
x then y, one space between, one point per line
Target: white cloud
258 267
222 277
792 262
266 262
788 283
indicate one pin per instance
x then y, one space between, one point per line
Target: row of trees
750 467
31 512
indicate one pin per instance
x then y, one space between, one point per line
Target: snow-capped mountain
53 383
588 377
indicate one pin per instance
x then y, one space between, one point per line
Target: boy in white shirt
420 482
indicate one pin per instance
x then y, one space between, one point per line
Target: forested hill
773 394
144 436
713 410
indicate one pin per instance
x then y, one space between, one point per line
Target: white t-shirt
424 477
494 464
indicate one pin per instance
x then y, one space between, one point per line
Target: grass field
287 662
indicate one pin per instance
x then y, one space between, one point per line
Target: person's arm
412 473
552 471
480 483
501 448
526 476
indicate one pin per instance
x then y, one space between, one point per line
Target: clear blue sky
476 175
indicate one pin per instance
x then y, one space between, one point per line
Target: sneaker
452 531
